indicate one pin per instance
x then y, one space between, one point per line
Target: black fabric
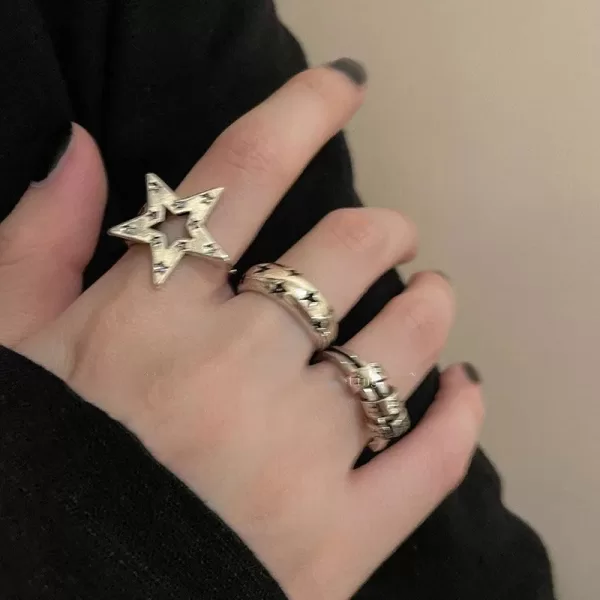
84 511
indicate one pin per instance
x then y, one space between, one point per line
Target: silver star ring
161 199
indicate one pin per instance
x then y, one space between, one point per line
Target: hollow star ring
160 199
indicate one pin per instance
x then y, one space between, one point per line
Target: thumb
48 239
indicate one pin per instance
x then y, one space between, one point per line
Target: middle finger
258 158
342 256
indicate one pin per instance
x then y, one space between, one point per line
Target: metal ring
289 289
385 411
161 200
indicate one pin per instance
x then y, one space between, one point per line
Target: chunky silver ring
161 200
385 411
289 289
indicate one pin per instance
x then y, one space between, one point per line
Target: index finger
260 156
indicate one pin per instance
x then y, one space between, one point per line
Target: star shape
279 288
160 200
311 298
319 324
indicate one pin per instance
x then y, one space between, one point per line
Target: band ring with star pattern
292 291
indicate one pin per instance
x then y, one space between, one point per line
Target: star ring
161 199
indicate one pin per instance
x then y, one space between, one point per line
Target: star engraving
160 200
279 288
311 298
320 325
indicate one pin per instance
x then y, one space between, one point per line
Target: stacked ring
289 289
386 414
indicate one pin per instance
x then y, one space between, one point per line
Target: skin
217 386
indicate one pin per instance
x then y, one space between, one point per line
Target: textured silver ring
291 290
385 411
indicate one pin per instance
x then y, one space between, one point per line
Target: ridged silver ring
385 410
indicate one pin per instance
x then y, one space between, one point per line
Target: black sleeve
155 82
86 512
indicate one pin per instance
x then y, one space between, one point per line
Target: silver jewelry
160 199
289 289
387 417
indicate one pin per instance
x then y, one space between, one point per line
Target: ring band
385 410
289 289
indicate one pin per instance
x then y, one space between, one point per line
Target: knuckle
424 326
315 83
356 230
252 149
427 317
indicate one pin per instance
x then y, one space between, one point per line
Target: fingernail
444 275
471 372
351 68
55 149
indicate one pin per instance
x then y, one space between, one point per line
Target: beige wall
483 124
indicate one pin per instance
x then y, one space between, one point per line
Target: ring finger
406 338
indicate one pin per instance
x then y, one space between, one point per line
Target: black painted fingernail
351 68
444 275
471 372
55 149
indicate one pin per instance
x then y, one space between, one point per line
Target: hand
217 386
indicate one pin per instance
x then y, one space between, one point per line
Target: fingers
350 249
342 256
256 160
396 491
406 338
335 417
261 155
48 239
